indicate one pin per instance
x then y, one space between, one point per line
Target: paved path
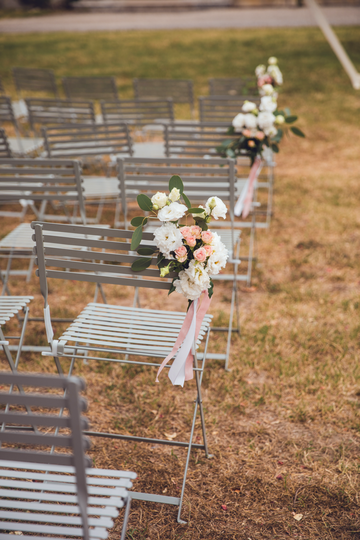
213 18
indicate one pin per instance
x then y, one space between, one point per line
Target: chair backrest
90 88
2 90
181 91
87 140
59 111
195 140
202 178
239 86
138 111
35 80
37 429
222 108
42 180
6 111
61 255
5 151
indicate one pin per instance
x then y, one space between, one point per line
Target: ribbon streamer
243 203
184 348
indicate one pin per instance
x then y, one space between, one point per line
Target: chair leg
126 517
228 345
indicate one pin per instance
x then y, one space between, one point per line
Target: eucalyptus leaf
176 182
275 148
136 238
202 223
186 200
297 131
195 210
146 251
136 221
291 119
141 264
230 153
144 202
287 111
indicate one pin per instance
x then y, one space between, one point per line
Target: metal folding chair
34 80
5 151
59 111
222 108
236 86
7 116
39 183
202 178
56 492
127 335
90 88
181 91
138 112
12 306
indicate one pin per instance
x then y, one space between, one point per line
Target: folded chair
202 178
48 486
128 335
7 116
138 112
222 108
5 151
34 80
237 86
181 91
90 88
59 111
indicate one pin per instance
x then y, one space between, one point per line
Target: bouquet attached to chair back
192 251
262 127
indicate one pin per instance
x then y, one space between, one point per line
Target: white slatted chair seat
11 306
58 494
126 330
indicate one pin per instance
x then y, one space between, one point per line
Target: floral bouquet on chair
192 251
269 78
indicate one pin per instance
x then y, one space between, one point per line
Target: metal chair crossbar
90 88
59 111
233 86
127 335
222 108
138 112
34 80
48 487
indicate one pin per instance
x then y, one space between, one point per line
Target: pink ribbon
185 342
254 171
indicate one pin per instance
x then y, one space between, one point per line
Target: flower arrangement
193 252
260 127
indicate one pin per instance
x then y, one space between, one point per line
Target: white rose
238 122
174 194
270 131
268 104
272 61
173 212
168 238
249 106
203 215
265 120
186 286
218 259
260 70
276 74
159 199
267 89
279 119
250 121
215 207
197 273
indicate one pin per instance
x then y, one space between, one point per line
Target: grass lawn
284 424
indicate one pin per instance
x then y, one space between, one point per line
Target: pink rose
181 254
200 254
265 79
251 144
195 231
247 133
209 250
191 241
207 237
185 231
260 135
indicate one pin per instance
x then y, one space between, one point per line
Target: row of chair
181 91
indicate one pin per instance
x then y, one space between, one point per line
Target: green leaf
202 223
146 250
275 148
144 202
136 238
176 182
138 220
141 264
195 210
230 153
290 119
297 131
186 200
211 288
287 111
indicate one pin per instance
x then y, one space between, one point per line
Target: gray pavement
212 18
